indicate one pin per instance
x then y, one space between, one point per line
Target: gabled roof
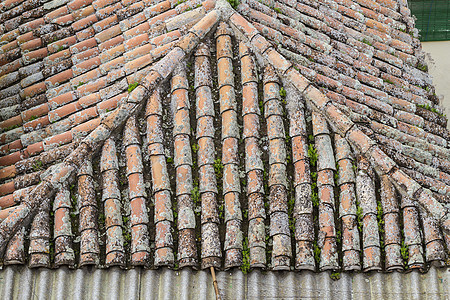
279 134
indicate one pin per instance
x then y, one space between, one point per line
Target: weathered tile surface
276 134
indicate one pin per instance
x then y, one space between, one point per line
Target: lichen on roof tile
279 135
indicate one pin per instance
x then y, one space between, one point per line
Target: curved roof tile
276 134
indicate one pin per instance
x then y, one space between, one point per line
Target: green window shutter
433 19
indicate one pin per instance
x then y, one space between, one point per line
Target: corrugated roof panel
18 282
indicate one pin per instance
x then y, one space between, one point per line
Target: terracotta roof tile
64 83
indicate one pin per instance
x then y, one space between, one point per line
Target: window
433 19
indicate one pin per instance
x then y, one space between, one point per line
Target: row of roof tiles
278 216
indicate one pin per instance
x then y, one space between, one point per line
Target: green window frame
433 19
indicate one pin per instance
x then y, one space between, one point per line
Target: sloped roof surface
277 134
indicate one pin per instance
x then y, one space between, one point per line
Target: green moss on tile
132 86
282 92
335 275
11 127
79 84
37 165
367 42
245 267
234 3
432 109
388 81
312 154
422 67
317 252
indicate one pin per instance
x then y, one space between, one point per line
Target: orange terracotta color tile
112 53
141 62
59 78
35 112
381 160
342 122
142 50
99 4
33 90
61 100
7 201
85 34
140 29
7 188
83 13
37 123
12 158
64 20
135 19
17 120
208 4
6 212
11 67
64 43
378 26
115 74
244 26
8 37
61 11
86 65
10 46
35 55
84 23
86 127
34 24
111 43
166 38
108 34
63 111
58 56
86 77
84 115
107 105
297 80
109 10
359 139
163 50
76 4
16 145
35 148
8 172
25 37
136 41
316 97
162 17
205 24
60 139
31 45
89 100
105 23
83 46
89 53
91 87
113 64
160 7
278 61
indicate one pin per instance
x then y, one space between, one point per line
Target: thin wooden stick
216 287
